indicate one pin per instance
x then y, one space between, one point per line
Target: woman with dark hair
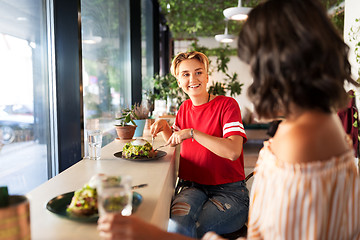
306 184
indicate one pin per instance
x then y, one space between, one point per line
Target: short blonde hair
185 56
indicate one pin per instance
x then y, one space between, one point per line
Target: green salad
134 151
84 201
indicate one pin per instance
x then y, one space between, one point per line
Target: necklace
208 98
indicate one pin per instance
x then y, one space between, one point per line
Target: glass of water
114 195
94 138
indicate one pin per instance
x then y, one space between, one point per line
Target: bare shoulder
312 137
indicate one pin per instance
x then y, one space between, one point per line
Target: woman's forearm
229 148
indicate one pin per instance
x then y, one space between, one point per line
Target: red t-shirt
220 117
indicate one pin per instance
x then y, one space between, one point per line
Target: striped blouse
317 200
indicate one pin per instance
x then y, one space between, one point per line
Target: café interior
72 66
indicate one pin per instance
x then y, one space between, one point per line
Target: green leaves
233 85
167 87
355 124
218 88
200 18
127 115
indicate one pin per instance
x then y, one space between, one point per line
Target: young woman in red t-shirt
210 131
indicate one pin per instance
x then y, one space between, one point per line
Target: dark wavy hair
296 57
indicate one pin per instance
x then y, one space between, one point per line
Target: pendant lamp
238 13
225 38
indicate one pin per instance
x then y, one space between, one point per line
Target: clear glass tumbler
94 138
115 195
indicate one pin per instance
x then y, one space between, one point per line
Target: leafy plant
166 87
230 85
141 111
127 115
191 18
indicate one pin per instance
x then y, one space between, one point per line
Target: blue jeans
198 209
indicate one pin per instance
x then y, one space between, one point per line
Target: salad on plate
138 148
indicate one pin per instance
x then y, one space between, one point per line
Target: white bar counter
158 174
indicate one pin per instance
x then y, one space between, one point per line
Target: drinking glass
94 144
114 195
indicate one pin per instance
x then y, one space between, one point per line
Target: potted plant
141 113
124 129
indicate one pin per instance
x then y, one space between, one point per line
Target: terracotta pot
125 132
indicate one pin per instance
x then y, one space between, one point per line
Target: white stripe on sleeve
233 127
232 124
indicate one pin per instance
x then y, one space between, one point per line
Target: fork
161 146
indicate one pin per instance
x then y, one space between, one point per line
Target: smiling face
192 78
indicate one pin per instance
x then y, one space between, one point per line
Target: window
147 47
25 100
106 63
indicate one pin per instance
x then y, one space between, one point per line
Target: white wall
352 11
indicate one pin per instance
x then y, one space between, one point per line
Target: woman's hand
179 136
161 125
116 226
211 236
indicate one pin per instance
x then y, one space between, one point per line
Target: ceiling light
225 38
237 13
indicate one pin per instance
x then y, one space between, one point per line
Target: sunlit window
24 100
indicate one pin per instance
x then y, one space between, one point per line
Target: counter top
158 174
